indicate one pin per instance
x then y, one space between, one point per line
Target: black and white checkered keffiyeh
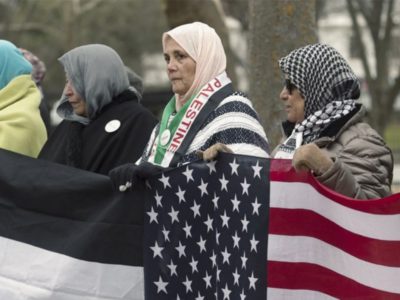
327 84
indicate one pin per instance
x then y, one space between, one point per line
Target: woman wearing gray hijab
103 124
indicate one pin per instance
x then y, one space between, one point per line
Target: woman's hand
310 157
212 152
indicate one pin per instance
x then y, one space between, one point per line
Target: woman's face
77 102
293 102
181 67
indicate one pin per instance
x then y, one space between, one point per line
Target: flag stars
196 209
254 243
235 203
257 168
157 250
256 207
224 183
153 216
187 284
188 174
207 279
244 260
245 223
199 297
226 292
158 199
165 181
236 277
187 230
203 187
181 250
181 195
161 285
211 166
174 215
213 259
193 264
234 167
166 234
242 295
225 255
209 223
202 244
215 201
172 268
245 186
236 240
225 220
252 281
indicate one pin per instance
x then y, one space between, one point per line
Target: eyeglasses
289 86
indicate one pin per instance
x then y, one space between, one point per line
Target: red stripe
299 222
304 276
282 171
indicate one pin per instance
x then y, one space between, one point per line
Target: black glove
124 176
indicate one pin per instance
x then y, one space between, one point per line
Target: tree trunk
276 28
179 12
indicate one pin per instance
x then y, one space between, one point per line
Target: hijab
98 75
327 83
204 46
12 63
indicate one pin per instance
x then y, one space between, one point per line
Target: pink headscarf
203 44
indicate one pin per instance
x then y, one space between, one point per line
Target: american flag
206 231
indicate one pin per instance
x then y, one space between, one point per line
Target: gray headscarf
98 75
326 81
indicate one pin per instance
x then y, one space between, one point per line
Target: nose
284 94
171 65
68 90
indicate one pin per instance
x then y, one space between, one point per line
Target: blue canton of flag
206 231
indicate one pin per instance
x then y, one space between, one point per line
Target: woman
205 112
104 125
324 131
21 127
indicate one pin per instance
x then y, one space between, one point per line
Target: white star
244 260
236 277
257 168
161 285
188 284
166 233
207 279
215 201
157 250
226 256
193 264
153 215
172 268
252 280
214 259
181 195
235 203
226 292
254 243
245 187
211 165
203 187
209 223
196 209
188 174
174 215
256 206
165 181
236 240
199 297
225 220
187 229
181 250
202 244
218 273
244 223
234 167
224 183
158 199
217 234
242 295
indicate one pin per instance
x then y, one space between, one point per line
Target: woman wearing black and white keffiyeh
324 131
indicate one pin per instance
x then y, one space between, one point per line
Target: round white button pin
112 125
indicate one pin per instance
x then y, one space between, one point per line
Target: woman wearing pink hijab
205 115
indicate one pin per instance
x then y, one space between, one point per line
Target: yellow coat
21 128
